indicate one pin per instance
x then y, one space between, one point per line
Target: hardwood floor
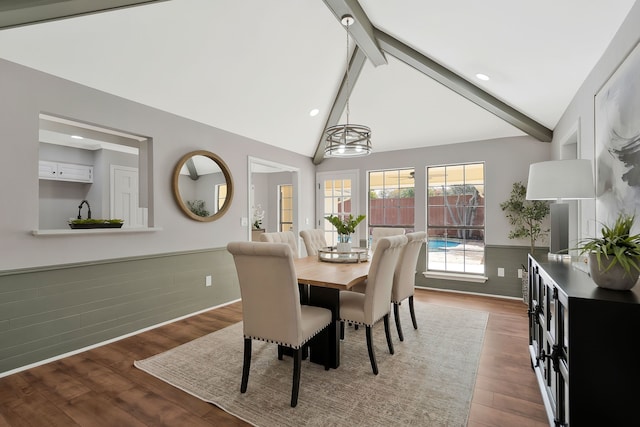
101 387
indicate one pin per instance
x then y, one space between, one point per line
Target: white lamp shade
561 180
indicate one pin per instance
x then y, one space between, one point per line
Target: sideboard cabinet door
582 342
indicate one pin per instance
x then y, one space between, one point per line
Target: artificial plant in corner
525 216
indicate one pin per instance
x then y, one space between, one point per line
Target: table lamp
560 180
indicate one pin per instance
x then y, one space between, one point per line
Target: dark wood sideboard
583 341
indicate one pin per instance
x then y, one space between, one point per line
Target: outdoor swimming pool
441 245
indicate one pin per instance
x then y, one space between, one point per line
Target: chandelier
347 140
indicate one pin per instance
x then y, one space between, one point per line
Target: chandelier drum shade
347 140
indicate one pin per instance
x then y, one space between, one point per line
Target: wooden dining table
326 280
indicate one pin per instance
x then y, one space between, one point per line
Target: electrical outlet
244 221
500 272
207 281
519 273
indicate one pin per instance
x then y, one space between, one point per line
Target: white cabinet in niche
65 172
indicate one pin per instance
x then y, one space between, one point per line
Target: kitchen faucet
80 208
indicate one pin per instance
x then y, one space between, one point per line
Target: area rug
429 381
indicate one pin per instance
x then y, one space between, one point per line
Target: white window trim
460 277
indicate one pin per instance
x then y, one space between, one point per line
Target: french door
336 194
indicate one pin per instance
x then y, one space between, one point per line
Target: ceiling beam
361 30
356 64
462 87
14 13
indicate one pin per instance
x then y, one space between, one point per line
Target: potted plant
526 217
81 224
345 227
198 207
614 257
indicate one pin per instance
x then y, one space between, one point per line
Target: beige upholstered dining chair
281 237
374 304
404 278
271 309
378 232
313 240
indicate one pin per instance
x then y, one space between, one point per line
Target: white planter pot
343 247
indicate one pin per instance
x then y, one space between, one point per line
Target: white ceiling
256 68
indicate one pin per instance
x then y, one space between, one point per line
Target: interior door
125 197
336 194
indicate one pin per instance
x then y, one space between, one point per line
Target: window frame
465 271
281 223
407 227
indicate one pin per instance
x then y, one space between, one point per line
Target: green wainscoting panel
48 311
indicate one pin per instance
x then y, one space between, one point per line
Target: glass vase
344 243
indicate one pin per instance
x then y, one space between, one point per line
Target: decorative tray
331 254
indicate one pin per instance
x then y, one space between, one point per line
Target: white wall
581 114
506 161
26 93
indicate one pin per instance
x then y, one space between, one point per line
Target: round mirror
202 186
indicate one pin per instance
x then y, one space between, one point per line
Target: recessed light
76 137
314 112
482 76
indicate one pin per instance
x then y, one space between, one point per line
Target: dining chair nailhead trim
295 347
362 323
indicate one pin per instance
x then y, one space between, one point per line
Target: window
455 218
285 207
392 199
221 195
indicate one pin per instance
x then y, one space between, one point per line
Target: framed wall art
617 143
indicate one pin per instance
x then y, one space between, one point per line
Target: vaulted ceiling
257 68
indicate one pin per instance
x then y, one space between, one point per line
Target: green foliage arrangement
198 207
616 242
526 216
96 221
347 225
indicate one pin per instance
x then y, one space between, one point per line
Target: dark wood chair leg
372 355
413 313
341 330
280 352
246 364
396 316
303 289
295 388
387 332
327 345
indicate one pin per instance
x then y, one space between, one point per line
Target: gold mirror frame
227 176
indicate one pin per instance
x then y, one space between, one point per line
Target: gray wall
506 161
26 93
51 286
43 280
